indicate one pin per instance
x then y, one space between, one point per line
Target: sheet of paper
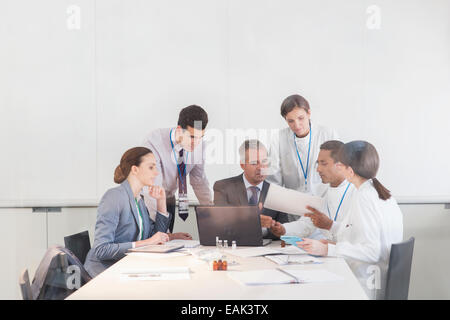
312 276
260 277
262 251
153 274
293 259
291 250
151 255
186 243
291 201
252 252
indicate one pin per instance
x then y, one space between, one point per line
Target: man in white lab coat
337 201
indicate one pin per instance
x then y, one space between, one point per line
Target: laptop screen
240 224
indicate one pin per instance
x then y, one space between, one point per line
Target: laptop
240 224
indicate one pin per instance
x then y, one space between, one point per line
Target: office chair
54 280
25 287
399 271
79 244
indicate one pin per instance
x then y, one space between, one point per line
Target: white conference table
206 284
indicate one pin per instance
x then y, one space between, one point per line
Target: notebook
185 243
158 248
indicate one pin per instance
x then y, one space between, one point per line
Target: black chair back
79 244
399 271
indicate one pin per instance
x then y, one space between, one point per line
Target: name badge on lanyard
305 172
183 202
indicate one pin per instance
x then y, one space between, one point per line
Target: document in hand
291 201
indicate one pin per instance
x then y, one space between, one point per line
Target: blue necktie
254 198
182 187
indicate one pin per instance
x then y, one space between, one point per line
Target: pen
135 275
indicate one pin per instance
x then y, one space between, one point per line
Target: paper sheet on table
291 201
311 276
260 277
283 259
262 251
151 255
153 274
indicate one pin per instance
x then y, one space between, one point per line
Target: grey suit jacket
117 227
159 142
232 192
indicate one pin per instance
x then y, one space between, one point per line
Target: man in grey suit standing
250 187
179 153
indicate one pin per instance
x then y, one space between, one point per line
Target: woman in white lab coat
294 151
372 225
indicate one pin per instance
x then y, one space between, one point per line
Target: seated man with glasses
250 187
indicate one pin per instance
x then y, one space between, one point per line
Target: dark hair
189 115
333 146
363 158
294 101
132 157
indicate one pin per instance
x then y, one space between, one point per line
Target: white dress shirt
249 195
248 185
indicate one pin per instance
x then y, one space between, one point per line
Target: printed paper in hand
291 201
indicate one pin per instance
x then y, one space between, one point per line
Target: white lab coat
304 228
285 168
365 237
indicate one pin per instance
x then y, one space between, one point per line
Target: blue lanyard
305 173
342 199
175 157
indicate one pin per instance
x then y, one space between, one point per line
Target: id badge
183 203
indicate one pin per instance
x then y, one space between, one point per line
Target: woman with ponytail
374 221
123 221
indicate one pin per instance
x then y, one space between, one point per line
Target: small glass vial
215 265
224 265
219 265
218 243
225 244
233 245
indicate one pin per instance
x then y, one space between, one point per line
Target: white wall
72 101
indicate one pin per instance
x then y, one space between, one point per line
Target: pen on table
135 275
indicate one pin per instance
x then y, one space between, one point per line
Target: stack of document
283 275
168 273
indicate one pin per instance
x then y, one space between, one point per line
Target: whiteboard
73 100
